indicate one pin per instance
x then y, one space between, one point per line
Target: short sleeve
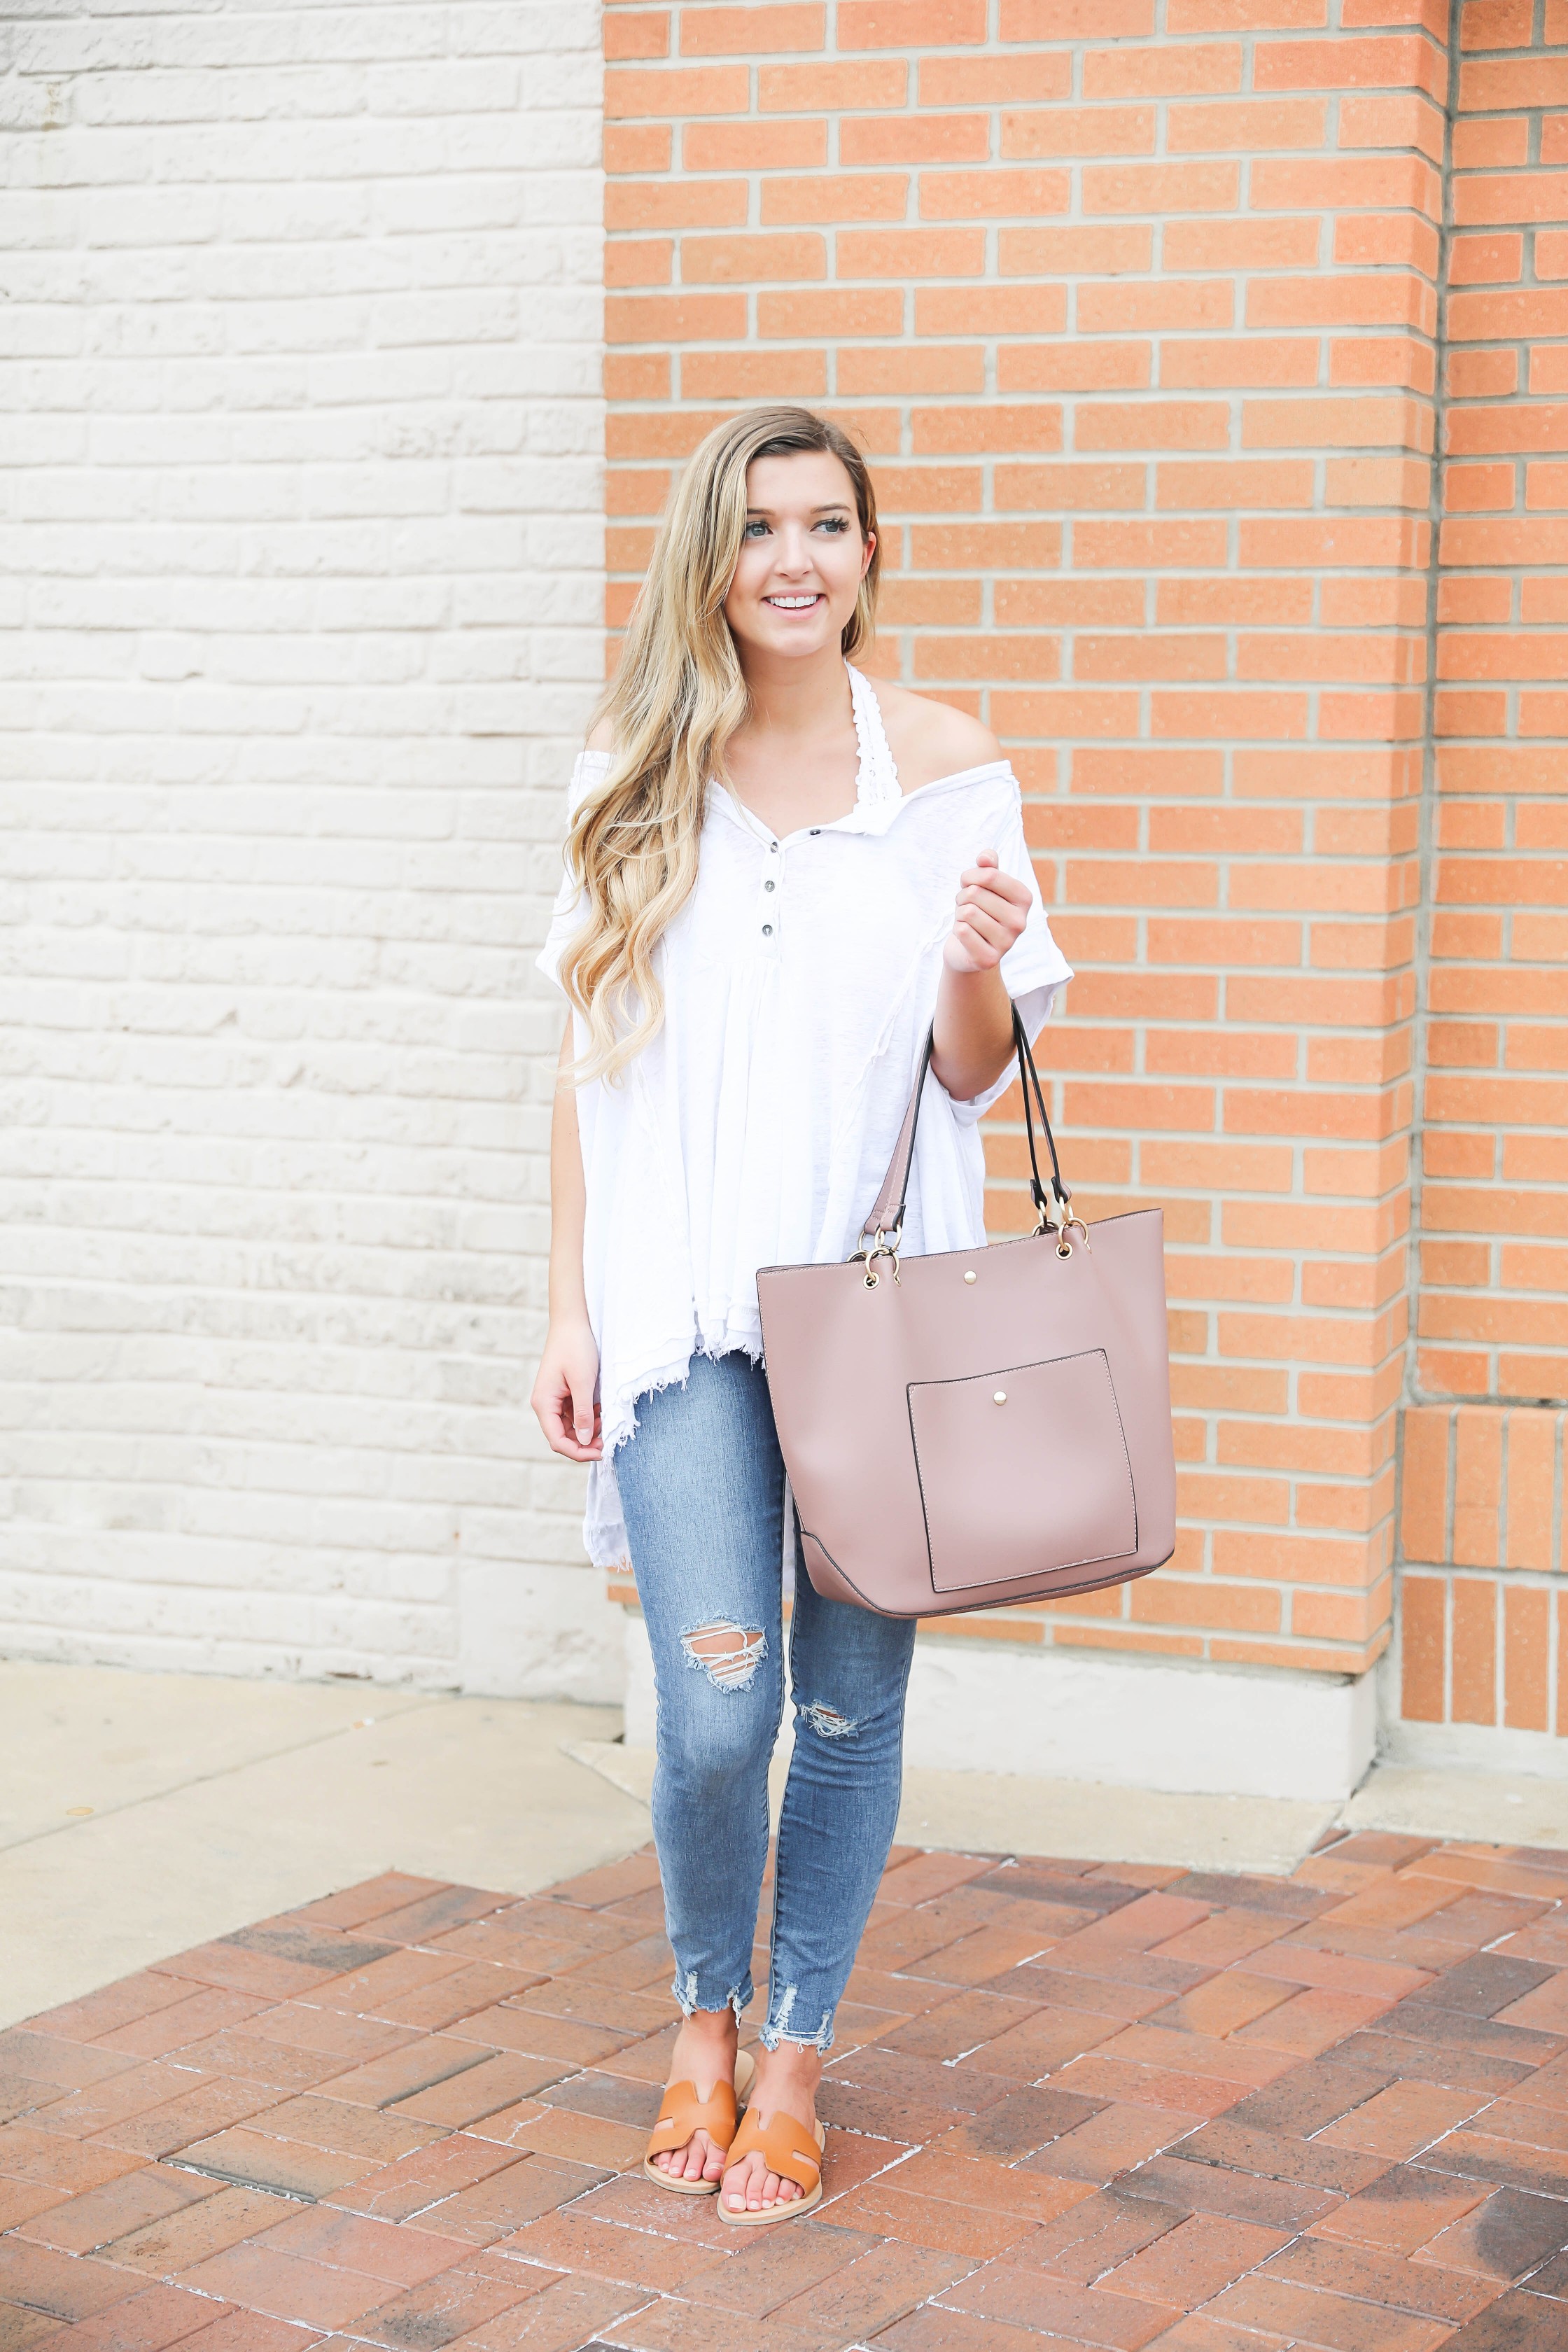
589 769
1034 969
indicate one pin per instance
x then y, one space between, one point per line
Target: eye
756 527
835 523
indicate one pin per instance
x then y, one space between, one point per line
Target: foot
704 2057
786 2085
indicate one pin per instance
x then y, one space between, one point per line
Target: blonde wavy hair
673 704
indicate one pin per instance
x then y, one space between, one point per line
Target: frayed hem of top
673 1372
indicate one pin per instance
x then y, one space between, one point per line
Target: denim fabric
701 1484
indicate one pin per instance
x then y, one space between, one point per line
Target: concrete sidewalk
143 1813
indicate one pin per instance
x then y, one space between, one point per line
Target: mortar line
1427 805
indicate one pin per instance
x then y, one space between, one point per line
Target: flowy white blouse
800 979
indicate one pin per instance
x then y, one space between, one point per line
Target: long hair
674 702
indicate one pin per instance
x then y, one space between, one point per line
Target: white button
1000 1397
968 1277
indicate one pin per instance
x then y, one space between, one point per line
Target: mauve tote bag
983 1425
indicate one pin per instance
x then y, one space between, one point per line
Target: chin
808 635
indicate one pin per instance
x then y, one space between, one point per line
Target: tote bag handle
885 1223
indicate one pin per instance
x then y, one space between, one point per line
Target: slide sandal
788 2149
682 2113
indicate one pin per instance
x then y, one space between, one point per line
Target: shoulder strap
886 1213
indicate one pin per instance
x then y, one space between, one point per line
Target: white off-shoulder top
800 979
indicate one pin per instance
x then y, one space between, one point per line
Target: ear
871 549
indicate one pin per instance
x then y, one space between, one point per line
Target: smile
794 603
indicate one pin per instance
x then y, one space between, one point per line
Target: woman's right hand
564 1392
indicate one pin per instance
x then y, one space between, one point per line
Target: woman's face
802 558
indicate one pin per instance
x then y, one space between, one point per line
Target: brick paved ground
1071 2102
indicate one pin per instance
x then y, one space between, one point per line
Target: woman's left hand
992 908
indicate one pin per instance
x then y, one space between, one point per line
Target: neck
809 697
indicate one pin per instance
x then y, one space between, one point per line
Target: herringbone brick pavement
1071 2103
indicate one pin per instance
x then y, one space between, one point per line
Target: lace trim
876 782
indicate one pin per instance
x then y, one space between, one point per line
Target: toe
741 2189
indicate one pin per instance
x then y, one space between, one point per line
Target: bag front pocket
1023 1470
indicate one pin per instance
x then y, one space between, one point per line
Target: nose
793 556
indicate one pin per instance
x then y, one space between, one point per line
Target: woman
757 928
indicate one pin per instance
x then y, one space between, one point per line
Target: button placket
768 897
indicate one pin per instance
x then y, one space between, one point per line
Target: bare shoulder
602 738
929 739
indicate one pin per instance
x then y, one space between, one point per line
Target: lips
794 603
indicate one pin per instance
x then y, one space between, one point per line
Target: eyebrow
833 506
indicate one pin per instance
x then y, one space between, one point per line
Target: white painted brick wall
300 590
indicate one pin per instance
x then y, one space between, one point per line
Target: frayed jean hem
777 2029
688 1993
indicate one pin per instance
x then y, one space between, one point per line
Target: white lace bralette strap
878 780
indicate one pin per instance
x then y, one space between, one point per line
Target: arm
569 1369
974 1011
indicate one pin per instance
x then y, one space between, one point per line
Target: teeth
791 603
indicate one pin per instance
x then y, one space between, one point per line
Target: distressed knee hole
827 1721
728 1654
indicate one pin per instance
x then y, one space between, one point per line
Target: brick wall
302 589
1482 1482
1135 312
1494 1217
1137 309
1483 1491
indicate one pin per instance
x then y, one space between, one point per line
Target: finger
992 903
986 948
560 1433
989 908
999 884
980 955
547 1410
990 884
581 1403
986 857
996 937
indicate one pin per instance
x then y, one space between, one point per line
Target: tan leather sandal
788 2149
683 2114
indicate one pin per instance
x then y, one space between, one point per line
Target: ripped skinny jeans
702 1487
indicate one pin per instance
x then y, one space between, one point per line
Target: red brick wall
1483 1491
1482 1485
1494 1215
1137 319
